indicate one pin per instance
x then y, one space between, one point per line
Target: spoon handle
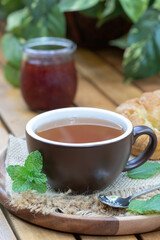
144 191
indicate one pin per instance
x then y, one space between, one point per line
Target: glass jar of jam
48 74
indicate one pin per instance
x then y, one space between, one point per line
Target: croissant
144 110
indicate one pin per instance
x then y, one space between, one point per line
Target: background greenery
27 19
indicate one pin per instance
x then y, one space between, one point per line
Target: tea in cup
85 149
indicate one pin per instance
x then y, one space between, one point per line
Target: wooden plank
113 56
3 136
151 236
27 231
148 84
105 77
130 237
13 109
88 96
6 232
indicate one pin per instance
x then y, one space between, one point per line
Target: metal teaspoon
119 202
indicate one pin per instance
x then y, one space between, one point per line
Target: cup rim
34 120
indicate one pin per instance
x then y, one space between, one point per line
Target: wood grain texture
88 96
13 109
6 232
104 77
131 237
3 136
149 84
151 236
113 57
27 231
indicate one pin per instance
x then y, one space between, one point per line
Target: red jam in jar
48 74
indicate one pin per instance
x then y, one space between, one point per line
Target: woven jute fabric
68 203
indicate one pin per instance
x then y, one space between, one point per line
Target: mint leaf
145 171
15 171
21 185
40 188
34 161
145 206
28 177
40 178
35 177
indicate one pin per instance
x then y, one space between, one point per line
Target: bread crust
144 110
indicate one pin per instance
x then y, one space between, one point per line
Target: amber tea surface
80 131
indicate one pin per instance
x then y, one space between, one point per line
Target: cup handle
149 150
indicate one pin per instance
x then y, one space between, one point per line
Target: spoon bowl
115 201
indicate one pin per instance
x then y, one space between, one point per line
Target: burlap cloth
67 203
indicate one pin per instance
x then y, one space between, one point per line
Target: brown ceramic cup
87 167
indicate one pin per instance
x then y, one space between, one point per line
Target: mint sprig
145 171
145 206
29 176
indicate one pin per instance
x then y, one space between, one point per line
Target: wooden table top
100 84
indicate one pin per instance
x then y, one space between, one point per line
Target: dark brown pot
83 30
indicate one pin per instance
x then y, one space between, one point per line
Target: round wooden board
77 224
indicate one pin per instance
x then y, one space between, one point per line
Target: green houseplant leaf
134 9
78 5
111 10
8 6
120 42
95 11
31 26
39 8
56 23
16 18
12 49
156 4
142 56
12 74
